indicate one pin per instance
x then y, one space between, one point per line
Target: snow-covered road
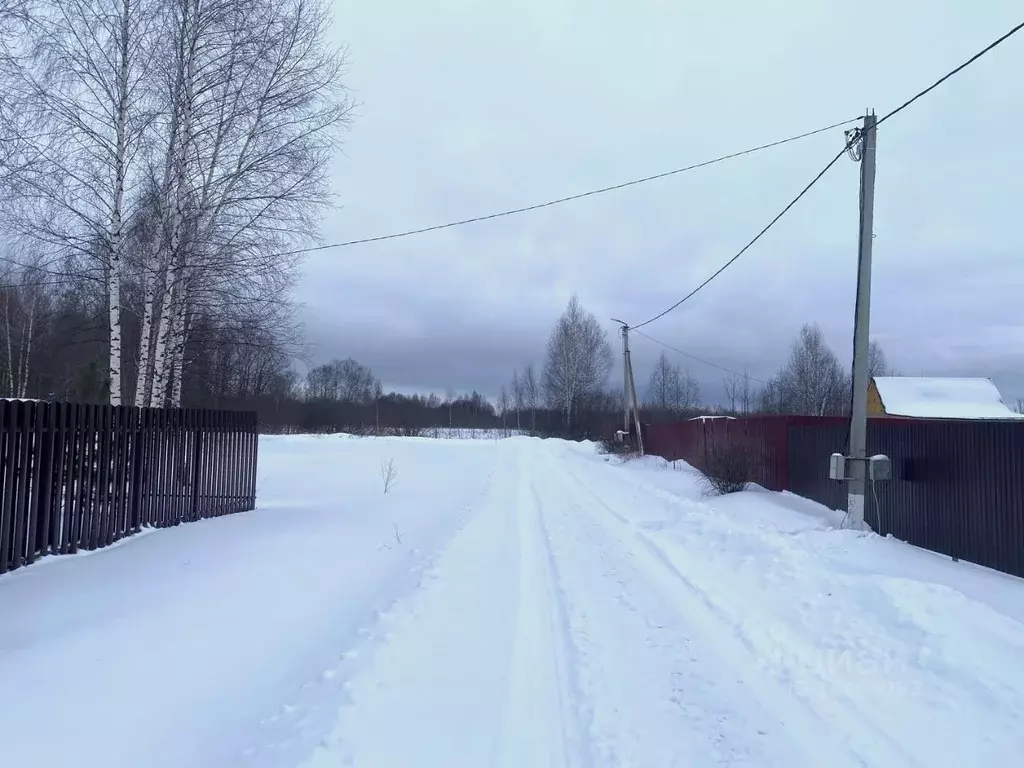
515 603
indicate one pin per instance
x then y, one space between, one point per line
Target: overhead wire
851 140
633 182
747 247
951 73
569 198
511 212
699 359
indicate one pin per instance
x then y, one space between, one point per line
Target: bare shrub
388 473
609 446
623 451
729 469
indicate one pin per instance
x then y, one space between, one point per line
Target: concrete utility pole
862 328
625 378
629 400
636 404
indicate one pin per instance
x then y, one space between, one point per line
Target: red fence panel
695 440
957 485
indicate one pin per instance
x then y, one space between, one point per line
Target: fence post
254 453
221 491
44 478
6 476
137 451
70 419
104 465
160 478
229 475
197 462
117 470
21 490
34 525
78 473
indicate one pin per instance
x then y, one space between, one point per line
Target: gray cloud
471 107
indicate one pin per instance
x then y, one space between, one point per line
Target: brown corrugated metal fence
83 476
957 487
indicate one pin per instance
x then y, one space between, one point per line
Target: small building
927 397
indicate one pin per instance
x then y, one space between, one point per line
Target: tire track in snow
582 708
802 716
543 724
664 695
475 665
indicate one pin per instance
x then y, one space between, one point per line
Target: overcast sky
472 106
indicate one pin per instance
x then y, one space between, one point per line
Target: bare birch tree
685 393
259 106
503 406
578 361
812 382
25 305
663 384
731 388
518 397
672 390
878 365
344 381
85 85
14 15
169 156
739 393
746 394
531 395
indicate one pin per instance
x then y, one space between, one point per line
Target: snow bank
871 632
202 645
428 433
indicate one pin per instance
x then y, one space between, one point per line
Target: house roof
942 398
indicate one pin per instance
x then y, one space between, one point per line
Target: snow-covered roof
926 397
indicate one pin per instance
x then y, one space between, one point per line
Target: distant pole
624 332
636 403
862 328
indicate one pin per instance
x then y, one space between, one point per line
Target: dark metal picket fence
76 477
957 485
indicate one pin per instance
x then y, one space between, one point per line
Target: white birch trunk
184 93
114 234
178 363
114 306
10 356
158 393
26 347
144 379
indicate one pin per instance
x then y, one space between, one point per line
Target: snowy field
512 603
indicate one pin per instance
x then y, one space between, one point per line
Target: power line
698 359
570 198
950 74
12 286
746 247
851 141
33 267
